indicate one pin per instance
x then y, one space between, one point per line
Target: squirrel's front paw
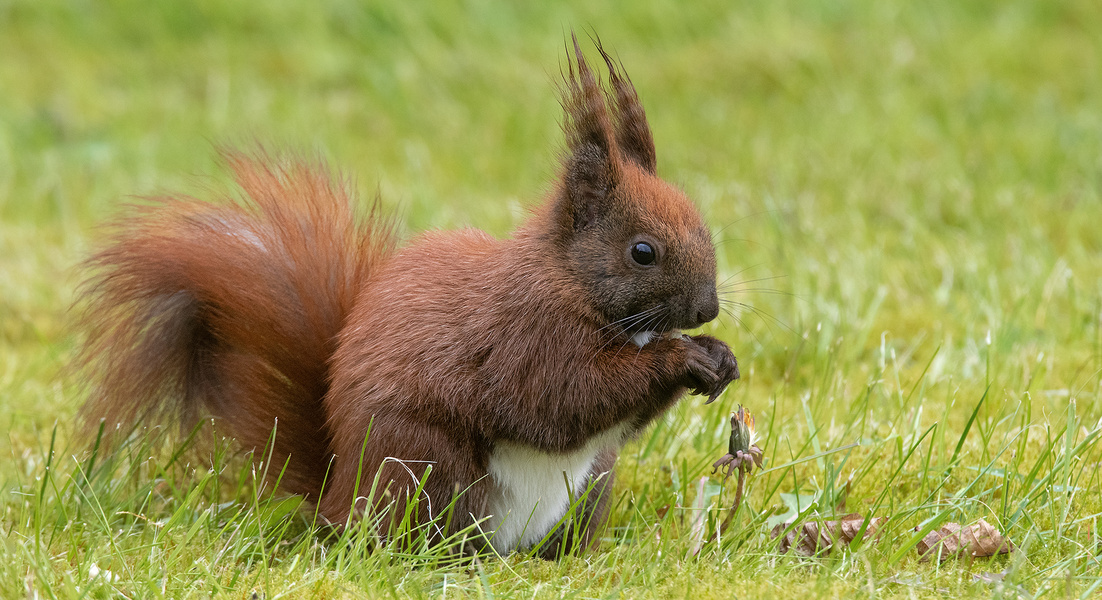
711 366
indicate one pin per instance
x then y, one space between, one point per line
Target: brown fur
286 309
231 310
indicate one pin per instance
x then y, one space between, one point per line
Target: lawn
907 199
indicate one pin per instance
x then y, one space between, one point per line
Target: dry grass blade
700 517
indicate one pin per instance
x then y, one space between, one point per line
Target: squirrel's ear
592 163
632 131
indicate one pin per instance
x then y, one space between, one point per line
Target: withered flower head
743 452
743 435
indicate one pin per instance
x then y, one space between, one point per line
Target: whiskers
732 307
732 292
631 320
653 318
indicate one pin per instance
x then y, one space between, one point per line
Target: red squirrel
517 368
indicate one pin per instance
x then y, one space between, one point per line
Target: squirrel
515 368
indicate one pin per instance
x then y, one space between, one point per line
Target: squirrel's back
231 309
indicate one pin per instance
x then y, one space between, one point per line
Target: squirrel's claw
723 368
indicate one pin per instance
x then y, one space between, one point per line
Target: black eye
642 253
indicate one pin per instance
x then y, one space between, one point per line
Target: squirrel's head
636 242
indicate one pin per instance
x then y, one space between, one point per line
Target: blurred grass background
901 188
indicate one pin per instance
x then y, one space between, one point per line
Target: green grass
909 192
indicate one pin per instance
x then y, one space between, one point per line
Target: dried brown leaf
946 540
814 537
977 540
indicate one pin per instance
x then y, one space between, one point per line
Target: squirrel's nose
708 308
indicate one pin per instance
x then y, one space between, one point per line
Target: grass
907 199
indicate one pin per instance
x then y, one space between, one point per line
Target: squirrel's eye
642 253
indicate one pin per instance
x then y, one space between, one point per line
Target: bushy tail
231 309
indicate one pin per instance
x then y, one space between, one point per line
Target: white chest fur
531 493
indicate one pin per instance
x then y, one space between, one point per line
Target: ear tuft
592 165
633 134
587 121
